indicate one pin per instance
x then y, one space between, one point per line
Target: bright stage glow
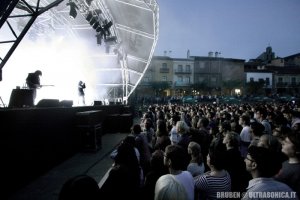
63 62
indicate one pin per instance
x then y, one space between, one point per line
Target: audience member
157 169
196 165
234 164
124 179
141 144
245 134
168 188
290 172
263 165
174 155
80 187
217 179
162 136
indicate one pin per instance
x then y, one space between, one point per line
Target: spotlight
99 39
100 29
93 21
88 2
110 40
98 11
106 28
95 26
89 16
73 7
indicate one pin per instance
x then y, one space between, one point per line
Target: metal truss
18 9
129 45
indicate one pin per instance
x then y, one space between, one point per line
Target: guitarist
33 82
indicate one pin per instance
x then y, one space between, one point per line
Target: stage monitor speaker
66 103
48 103
21 98
97 103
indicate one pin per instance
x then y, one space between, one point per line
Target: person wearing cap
263 165
33 82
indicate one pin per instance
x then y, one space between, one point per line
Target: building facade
211 75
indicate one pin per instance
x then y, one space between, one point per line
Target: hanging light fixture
73 7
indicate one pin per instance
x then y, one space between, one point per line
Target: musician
81 95
33 82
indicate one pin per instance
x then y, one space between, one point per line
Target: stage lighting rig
73 7
106 27
99 38
88 2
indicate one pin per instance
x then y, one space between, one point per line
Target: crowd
209 151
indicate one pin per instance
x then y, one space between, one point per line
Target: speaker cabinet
21 98
97 103
66 103
48 103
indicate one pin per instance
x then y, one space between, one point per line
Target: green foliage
255 87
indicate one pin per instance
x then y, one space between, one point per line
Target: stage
36 139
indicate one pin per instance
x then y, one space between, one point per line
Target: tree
255 87
160 86
229 85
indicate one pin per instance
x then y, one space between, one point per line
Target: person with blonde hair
182 130
168 188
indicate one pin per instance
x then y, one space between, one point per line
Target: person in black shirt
33 82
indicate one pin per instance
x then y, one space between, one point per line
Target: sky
240 29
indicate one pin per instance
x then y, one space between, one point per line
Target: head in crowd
261 113
232 139
203 123
270 142
216 154
291 145
168 188
280 121
148 124
161 128
225 127
157 160
181 127
194 149
81 187
262 162
174 157
126 154
281 132
244 120
257 128
136 129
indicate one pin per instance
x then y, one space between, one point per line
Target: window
164 78
146 79
179 68
280 79
187 79
213 79
180 79
267 81
201 79
293 80
164 65
201 65
187 68
251 79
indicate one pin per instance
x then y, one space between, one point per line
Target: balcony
181 84
183 71
164 70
